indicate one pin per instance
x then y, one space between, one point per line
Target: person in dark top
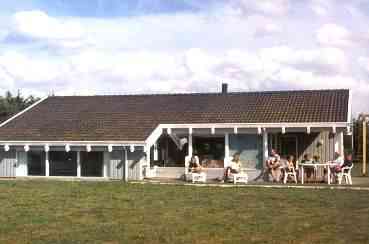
346 163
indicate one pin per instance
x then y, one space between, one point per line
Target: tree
10 105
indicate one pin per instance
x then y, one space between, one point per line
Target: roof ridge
207 93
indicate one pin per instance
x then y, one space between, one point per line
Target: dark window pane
63 163
92 164
36 163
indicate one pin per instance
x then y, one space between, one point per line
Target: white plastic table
328 165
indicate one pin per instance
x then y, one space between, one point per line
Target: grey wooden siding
135 162
314 144
115 164
8 161
250 148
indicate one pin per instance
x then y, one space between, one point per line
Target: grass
113 212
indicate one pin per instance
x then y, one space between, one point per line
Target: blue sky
153 46
106 8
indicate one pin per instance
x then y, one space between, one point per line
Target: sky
88 47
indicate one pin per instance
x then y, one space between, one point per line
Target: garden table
324 165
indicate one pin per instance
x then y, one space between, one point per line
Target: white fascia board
22 112
151 139
349 109
73 143
255 125
154 136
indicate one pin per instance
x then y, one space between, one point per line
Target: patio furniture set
344 174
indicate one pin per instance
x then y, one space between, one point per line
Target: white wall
21 169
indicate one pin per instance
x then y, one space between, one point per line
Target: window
36 163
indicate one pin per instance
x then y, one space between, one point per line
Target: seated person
195 166
316 159
309 171
290 163
338 159
273 164
234 168
337 162
346 163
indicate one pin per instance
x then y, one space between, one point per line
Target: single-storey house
125 136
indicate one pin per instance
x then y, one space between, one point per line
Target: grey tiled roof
133 117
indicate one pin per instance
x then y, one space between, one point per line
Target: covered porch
215 145
79 160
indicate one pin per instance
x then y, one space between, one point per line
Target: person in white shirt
195 166
274 165
337 164
234 168
338 159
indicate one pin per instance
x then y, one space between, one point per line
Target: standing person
274 165
234 168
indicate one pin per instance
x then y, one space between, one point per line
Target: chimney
224 88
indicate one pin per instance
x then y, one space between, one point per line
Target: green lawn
113 212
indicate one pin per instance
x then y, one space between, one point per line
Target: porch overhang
258 128
73 145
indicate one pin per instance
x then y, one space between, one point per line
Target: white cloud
40 26
33 70
322 8
268 7
334 35
255 46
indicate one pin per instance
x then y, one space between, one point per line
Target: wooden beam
226 150
265 146
190 149
364 146
47 163
78 164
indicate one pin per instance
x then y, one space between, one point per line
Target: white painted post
156 152
106 163
190 148
125 177
148 156
226 150
47 164
336 143
342 147
265 146
78 164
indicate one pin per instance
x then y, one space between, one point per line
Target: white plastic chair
345 173
288 173
198 177
241 177
191 176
